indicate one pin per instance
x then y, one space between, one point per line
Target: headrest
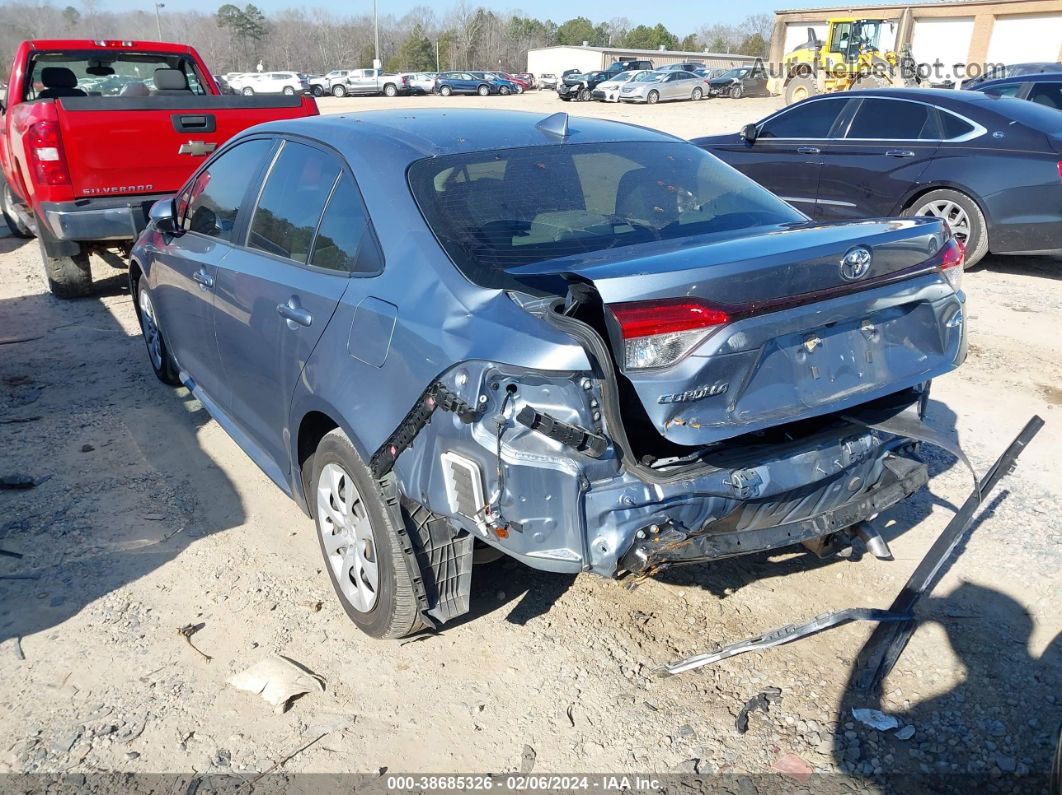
58 77
170 80
134 90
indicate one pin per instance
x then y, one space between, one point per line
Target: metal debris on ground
187 631
278 680
288 758
760 701
875 719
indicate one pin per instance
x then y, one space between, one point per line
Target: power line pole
376 33
436 55
158 20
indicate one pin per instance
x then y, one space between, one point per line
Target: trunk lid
130 145
799 339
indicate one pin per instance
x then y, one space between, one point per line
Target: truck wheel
362 546
338 91
7 205
247 91
965 218
317 91
390 90
158 352
446 91
68 277
289 91
800 88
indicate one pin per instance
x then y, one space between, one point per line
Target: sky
679 17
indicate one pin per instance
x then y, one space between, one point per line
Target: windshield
104 74
649 77
498 210
735 73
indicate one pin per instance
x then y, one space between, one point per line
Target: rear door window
811 120
291 202
211 204
893 119
345 241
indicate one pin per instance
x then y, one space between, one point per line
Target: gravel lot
146 517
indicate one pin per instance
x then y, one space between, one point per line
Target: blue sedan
591 347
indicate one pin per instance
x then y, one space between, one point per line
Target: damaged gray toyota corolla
592 347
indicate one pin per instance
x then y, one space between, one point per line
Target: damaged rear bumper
753 526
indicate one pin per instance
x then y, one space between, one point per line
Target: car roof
442 131
1041 77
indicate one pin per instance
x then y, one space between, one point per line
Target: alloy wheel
150 328
343 522
951 212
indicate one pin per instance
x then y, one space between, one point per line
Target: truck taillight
952 259
112 43
45 149
659 333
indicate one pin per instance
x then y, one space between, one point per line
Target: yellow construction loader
849 58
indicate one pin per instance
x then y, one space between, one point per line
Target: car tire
364 541
158 351
584 95
483 91
736 91
247 91
520 89
697 95
68 277
390 90
504 91
317 91
800 88
965 218
339 91
7 203
289 91
652 97
446 91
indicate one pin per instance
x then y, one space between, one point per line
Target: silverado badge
197 148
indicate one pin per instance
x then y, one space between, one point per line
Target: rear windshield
497 210
106 74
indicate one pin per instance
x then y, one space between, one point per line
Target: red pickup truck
92 133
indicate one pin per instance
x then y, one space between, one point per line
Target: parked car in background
528 78
370 81
519 86
580 87
742 81
1044 89
998 72
447 83
987 165
628 66
653 87
608 90
253 83
323 85
419 82
689 66
298 284
223 85
79 171
499 85
547 81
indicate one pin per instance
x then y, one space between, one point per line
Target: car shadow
999 724
115 482
1045 267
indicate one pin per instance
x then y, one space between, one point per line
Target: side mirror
164 216
749 133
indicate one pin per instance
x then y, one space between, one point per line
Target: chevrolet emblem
197 148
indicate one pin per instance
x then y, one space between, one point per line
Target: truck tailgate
130 145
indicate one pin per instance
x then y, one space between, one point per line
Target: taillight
659 333
952 259
46 154
1060 169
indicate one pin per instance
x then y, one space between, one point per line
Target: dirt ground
146 517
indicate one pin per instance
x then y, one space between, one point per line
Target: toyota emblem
856 263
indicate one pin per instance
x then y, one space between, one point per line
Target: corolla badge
856 263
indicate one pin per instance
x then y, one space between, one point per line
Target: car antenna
556 124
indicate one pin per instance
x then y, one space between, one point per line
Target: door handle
206 281
808 150
899 153
294 313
